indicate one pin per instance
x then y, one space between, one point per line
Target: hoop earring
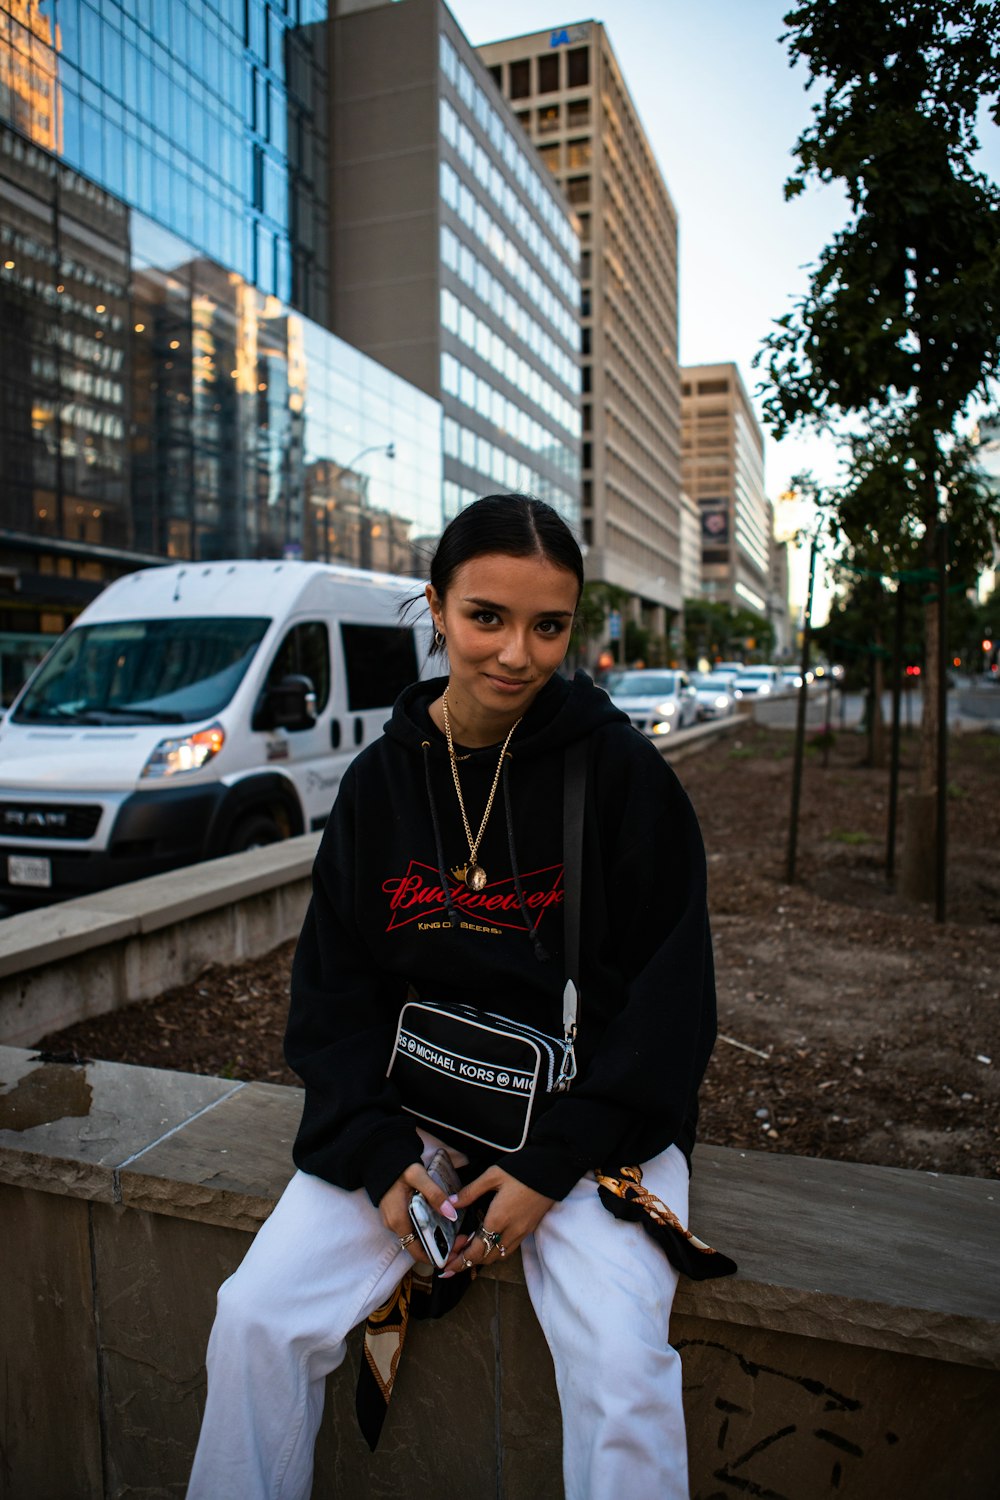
438 638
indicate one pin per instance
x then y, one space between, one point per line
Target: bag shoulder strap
574 788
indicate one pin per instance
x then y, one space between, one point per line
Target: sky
722 110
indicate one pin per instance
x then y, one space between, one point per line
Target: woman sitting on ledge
441 873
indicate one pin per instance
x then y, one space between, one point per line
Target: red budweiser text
418 893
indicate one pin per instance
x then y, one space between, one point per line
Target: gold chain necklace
473 873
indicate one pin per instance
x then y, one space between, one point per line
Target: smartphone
436 1234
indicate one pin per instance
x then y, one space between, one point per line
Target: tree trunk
927 760
916 867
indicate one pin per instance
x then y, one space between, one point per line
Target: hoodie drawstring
442 872
541 952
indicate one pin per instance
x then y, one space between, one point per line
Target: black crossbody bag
471 1073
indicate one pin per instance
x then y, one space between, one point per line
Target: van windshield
142 672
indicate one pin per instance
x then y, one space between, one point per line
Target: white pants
601 1289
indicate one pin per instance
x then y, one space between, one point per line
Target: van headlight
190 753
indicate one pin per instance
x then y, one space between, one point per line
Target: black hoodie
379 923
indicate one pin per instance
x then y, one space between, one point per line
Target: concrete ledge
827 1249
684 743
70 927
866 1314
82 958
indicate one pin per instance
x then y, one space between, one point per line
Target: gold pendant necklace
473 873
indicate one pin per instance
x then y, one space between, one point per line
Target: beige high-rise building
724 475
569 94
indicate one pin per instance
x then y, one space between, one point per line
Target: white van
196 710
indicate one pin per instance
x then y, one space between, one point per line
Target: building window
578 189
578 113
496 73
712 387
520 79
579 67
585 379
548 73
584 222
550 156
587 456
548 119
578 153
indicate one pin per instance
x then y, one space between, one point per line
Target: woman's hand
515 1211
394 1205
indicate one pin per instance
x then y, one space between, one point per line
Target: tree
714 629
899 330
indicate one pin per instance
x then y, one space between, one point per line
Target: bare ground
852 1025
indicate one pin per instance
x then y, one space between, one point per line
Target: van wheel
252 832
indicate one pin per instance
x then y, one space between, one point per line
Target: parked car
715 701
658 702
729 666
192 711
791 678
758 682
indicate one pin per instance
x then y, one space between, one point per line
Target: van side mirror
288 704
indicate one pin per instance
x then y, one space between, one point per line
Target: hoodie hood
561 713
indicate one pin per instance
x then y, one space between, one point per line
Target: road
969 707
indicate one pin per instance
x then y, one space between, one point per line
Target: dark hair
513 525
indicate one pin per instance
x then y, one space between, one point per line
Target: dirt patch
852 1025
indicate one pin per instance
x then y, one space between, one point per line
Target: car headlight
188 753
666 709
722 702
765 687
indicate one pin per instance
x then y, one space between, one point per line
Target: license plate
22 870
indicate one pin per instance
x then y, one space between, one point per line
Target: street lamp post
389 449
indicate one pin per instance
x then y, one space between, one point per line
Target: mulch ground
852 1025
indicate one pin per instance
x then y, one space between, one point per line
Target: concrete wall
856 1354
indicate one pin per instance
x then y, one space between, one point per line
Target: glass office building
207 115
154 404
159 396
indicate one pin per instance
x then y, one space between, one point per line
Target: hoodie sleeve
638 1090
341 1024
